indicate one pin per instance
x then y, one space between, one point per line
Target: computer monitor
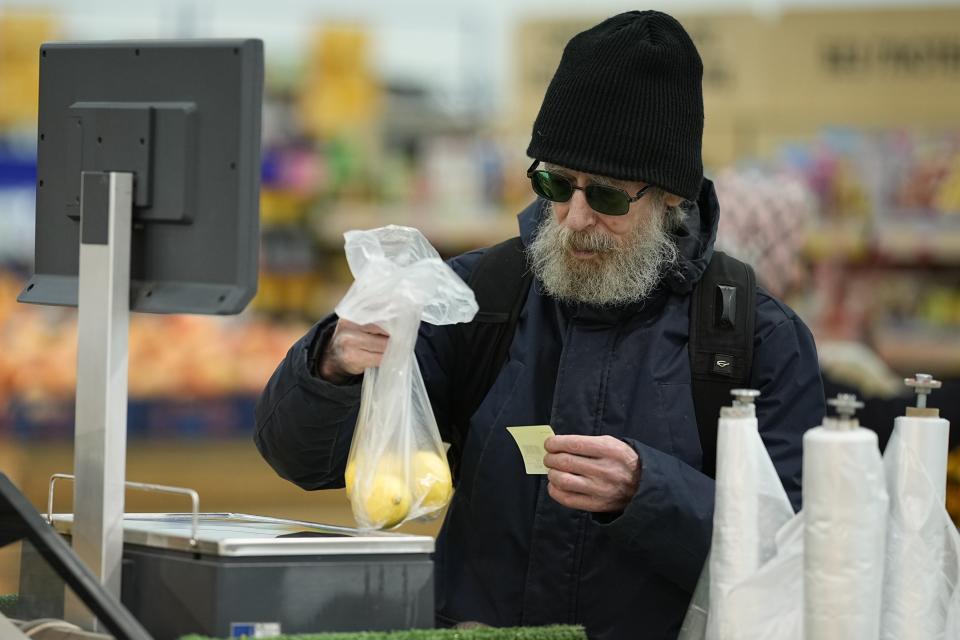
147 200
182 116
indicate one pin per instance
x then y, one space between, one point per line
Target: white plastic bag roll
918 587
929 439
951 572
845 508
751 506
774 595
694 625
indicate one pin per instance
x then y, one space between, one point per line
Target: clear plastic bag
397 468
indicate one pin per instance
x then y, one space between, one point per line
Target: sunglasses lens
551 186
611 202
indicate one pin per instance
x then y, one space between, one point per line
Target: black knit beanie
626 102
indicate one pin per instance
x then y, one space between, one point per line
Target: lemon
388 501
432 484
349 476
387 464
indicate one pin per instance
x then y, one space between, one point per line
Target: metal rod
742 406
103 325
744 397
846 405
53 482
194 500
923 384
142 486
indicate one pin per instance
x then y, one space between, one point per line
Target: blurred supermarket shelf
909 349
896 243
920 243
451 231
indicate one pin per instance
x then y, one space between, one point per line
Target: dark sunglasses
554 187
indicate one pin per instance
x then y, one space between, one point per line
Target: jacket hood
695 241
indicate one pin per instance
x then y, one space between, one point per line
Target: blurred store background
832 131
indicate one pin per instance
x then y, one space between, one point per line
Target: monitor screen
184 117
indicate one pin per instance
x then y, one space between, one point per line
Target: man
615 536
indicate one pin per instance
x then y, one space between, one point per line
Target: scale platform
223 574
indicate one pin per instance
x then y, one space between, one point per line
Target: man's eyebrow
593 178
556 169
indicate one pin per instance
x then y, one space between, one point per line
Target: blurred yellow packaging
20 38
340 91
947 198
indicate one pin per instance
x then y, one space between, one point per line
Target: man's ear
671 200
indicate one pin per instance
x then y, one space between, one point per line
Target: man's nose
580 215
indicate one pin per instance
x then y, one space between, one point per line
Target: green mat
486 633
8 604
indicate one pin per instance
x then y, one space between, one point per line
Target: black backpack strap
500 283
722 323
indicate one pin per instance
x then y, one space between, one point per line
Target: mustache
595 241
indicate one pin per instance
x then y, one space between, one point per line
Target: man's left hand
591 473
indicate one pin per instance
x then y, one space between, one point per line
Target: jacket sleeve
670 519
304 424
787 373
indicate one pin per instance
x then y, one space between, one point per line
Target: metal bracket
744 397
743 406
103 325
103 136
142 486
846 405
922 384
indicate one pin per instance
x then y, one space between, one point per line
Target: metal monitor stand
100 439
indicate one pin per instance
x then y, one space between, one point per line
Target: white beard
623 271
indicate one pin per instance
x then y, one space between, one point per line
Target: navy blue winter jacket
508 554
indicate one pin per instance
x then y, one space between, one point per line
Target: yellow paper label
530 440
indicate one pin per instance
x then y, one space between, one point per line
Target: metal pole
100 438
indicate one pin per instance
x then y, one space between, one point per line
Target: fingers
591 447
577 445
346 325
355 362
353 348
605 487
579 465
356 340
591 473
587 494
576 500
570 482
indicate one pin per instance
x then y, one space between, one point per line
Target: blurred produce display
190 361
884 253
891 173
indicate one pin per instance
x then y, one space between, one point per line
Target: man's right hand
351 349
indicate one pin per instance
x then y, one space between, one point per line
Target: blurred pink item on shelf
925 170
764 221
